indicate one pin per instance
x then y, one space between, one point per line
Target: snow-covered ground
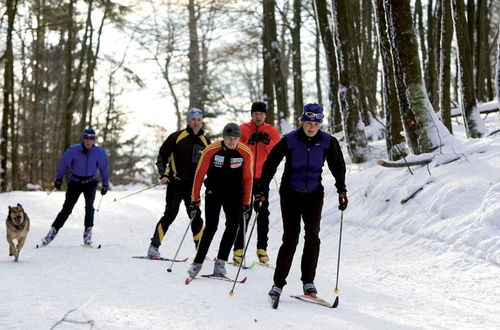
432 262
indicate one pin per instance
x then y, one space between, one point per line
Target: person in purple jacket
82 160
301 192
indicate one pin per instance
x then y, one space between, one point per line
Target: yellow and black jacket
179 154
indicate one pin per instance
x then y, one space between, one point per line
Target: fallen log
394 164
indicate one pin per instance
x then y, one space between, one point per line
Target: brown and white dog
18 225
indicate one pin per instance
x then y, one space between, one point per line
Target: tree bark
347 57
279 81
194 75
474 125
68 76
497 80
8 93
317 67
298 102
395 141
267 71
445 65
423 131
325 31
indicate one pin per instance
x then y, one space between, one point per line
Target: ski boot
219 268
87 236
310 289
237 257
274 296
263 257
194 270
50 236
153 252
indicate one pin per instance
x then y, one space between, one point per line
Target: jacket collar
190 131
306 139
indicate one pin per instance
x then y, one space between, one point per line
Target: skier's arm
247 173
271 164
164 153
336 164
103 168
64 164
202 169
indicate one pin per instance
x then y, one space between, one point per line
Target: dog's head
16 214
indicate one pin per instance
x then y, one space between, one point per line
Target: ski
314 300
215 277
266 264
252 265
91 246
161 259
275 300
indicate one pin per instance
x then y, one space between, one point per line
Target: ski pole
231 293
99 205
336 290
137 192
51 191
169 269
243 261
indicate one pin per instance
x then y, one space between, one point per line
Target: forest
401 71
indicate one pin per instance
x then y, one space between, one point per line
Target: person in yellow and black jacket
228 167
176 163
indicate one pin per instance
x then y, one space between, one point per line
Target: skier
176 163
82 160
260 137
228 166
301 192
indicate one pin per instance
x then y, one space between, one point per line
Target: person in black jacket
301 192
176 163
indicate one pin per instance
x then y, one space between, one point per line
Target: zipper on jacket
307 175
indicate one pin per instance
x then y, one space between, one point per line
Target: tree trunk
497 80
194 76
347 57
325 31
298 102
419 22
279 81
445 65
395 142
68 77
432 85
474 125
8 93
423 131
481 48
317 69
267 71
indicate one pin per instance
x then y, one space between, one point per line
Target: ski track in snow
431 263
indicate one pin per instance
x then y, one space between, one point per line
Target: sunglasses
89 136
195 112
312 115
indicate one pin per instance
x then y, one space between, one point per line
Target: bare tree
497 84
297 61
349 95
445 65
423 131
474 125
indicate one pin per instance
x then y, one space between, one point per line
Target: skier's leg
291 212
313 206
72 194
263 223
197 223
89 190
173 199
234 216
212 212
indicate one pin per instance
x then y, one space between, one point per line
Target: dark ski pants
262 225
176 193
72 195
231 203
295 205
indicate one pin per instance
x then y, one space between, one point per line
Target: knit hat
88 133
312 112
258 107
195 113
231 129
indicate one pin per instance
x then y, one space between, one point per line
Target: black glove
104 190
264 137
342 201
194 209
253 139
58 184
258 201
247 211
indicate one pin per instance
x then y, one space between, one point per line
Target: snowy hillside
432 262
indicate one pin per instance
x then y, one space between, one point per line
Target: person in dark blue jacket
301 192
82 160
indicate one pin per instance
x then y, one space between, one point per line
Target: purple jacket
84 164
305 158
